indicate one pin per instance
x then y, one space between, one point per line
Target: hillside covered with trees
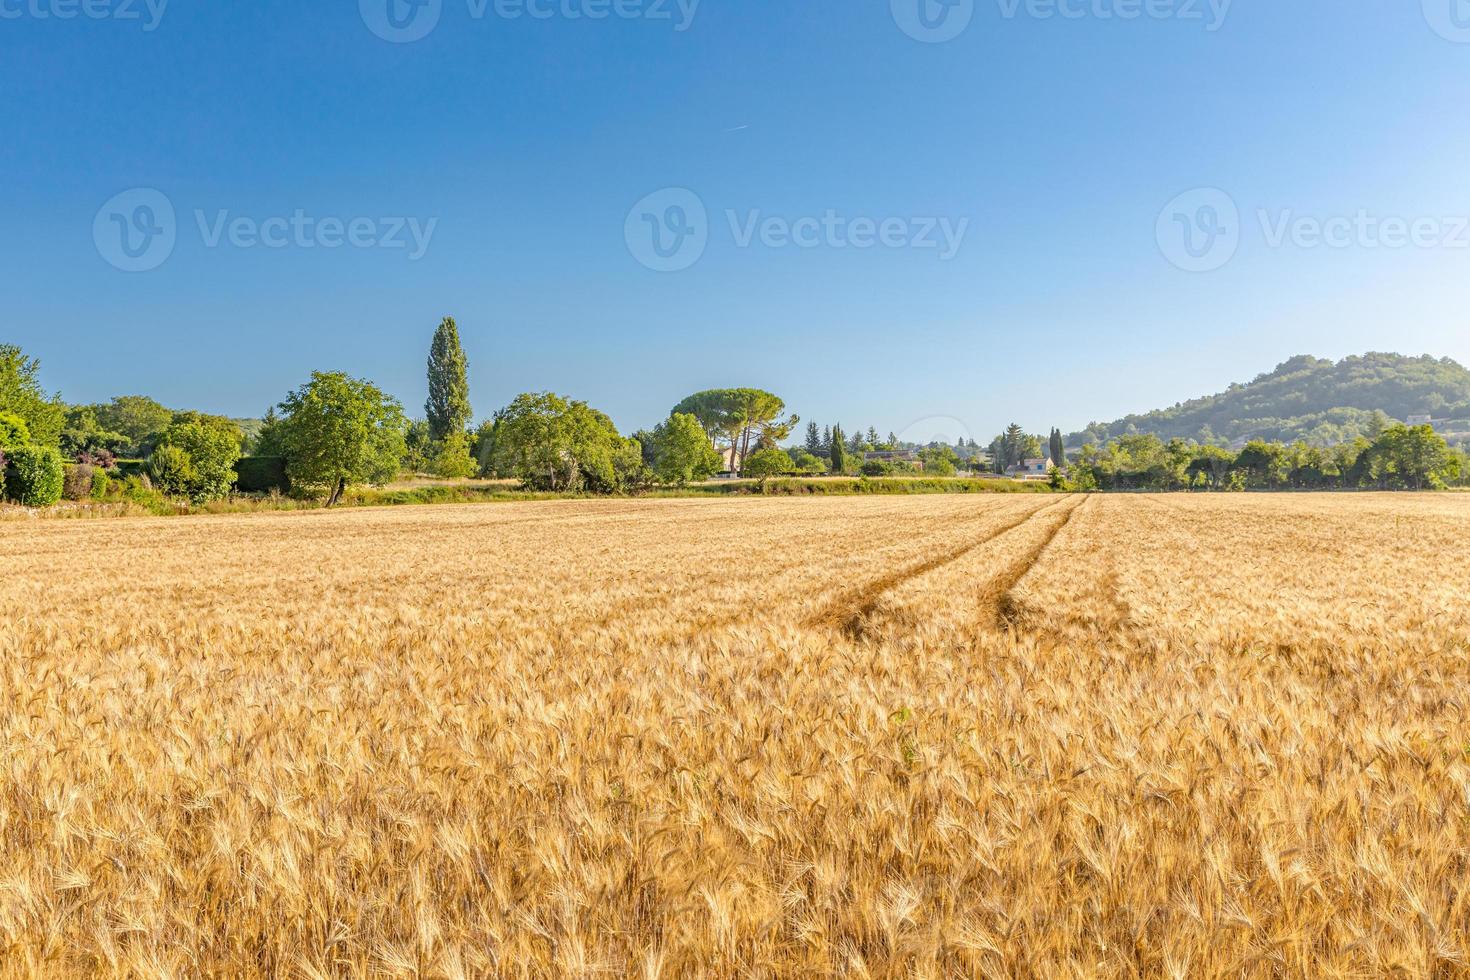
1311 400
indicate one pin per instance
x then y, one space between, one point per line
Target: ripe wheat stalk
891 737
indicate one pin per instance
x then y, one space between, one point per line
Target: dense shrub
876 467
261 474
209 444
171 470
76 484
101 484
34 475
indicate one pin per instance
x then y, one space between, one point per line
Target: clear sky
533 145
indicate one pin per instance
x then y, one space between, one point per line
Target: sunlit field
872 737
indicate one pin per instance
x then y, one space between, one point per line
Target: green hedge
262 474
34 475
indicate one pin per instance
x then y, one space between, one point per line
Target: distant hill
1312 400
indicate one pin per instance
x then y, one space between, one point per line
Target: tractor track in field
644 604
998 600
850 612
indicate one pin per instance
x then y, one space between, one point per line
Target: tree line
1396 457
336 432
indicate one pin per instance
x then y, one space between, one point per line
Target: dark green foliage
262 474
171 470
838 450
1401 458
554 444
210 447
743 419
336 431
139 420
448 407
1307 399
814 439
681 451
34 475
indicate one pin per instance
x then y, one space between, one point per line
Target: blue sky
519 147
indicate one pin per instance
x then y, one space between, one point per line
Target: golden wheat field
968 736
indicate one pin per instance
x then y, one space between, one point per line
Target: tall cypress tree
839 451
448 407
1058 448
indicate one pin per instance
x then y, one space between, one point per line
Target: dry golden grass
883 737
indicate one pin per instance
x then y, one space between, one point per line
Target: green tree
1416 458
740 418
337 432
452 460
682 452
556 444
448 407
83 434
1013 446
21 394
939 461
766 463
1213 464
1058 449
838 451
139 419
813 439
212 448
807 462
